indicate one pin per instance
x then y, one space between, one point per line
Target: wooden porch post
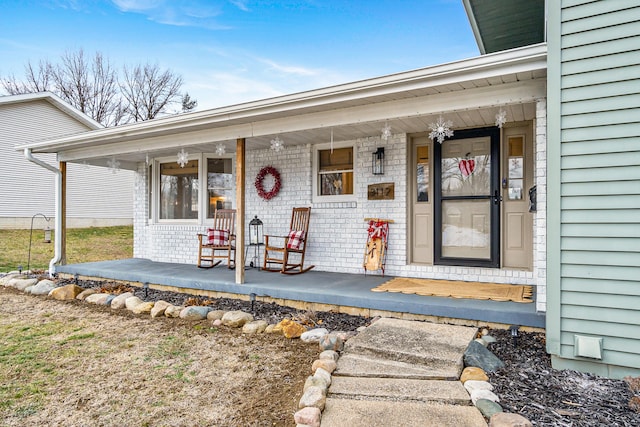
240 179
63 202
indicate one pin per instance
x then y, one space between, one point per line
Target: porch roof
337 289
469 92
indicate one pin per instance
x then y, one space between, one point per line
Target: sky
234 51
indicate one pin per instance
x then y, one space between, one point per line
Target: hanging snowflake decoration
146 159
501 118
277 144
113 164
183 158
386 132
441 130
220 149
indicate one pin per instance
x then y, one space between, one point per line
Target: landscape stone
477 355
488 407
472 385
481 341
329 354
131 302
173 311
313 335
488 339
308 416
236 319
195 312
326 364
63 293
158 308
43 287
324 375
143 308
119 301
483 394
314 397
473 373
215 314
217 322
271 329
4 281
314 381
331 341
22 284
255 327
506 419
84 294
110 298
291 329
99 299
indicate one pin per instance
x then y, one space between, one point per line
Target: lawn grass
83 245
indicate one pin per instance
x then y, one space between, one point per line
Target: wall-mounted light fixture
377 161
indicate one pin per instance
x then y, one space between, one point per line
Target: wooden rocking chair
219 242
294 243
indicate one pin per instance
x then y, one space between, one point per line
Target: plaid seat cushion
217 237
295 239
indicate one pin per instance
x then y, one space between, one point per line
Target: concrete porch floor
349 293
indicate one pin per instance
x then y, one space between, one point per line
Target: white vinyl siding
93 193
600 179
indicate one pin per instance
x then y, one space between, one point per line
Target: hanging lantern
377 161
47 234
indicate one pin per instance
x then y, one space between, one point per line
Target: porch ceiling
469 93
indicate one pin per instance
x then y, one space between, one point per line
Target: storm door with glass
467 199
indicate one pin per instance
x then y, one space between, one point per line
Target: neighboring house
95 195
461 208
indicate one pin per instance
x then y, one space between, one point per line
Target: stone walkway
402 373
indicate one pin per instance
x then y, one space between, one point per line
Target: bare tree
148 91
36 80
93 86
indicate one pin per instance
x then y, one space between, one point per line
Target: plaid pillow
217 237
295 239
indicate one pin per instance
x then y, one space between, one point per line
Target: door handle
497 198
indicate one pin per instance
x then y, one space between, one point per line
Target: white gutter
57 255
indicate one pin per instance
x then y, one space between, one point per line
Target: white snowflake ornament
183 158
277 144
220 149
501 118
386 132
441 130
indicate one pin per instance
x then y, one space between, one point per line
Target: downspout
58 209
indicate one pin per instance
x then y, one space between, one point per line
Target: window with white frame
178 195
333 169
175 192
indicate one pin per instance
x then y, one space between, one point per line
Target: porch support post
63 213
240 180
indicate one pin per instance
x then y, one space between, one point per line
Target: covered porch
315 290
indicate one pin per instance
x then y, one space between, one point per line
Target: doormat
456 289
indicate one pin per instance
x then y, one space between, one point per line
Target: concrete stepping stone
356 365
450 392
374 413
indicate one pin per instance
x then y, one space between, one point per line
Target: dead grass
76 364
83 245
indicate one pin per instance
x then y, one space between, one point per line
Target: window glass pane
516 167
339 159
334 184
220 185
466 226
422 175
335 171
179 191
466 167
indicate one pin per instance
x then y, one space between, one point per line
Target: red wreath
268 170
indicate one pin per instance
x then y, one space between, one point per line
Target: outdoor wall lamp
377 161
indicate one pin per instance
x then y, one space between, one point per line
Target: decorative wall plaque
382 191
